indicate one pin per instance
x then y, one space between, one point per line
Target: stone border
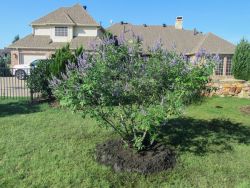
229 87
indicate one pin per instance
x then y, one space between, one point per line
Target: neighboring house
71 25
75 26
187 42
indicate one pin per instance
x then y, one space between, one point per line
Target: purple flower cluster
185 57
108 41
186 70
121 39
158 45
201 53
55 82
93 45
83 64
199 56
216 59
174 62
136 37
80 68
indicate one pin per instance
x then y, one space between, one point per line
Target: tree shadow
18 107
204 136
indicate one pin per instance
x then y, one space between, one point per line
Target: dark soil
245 110
113 153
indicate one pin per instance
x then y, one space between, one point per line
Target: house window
229 66
219 67
61 31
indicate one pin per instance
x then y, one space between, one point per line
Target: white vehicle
22 71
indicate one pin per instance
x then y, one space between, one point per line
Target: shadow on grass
204 136
18 107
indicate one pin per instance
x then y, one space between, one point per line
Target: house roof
45 43
75 15
214 44
182 41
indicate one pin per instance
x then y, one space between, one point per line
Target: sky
229 19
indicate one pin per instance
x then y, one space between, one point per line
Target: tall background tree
241 60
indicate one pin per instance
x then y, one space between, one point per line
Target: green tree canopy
241 60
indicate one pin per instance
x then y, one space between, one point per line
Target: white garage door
29 58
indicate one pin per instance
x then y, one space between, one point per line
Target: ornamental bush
5 61
133 94
61 59
241 61
38 80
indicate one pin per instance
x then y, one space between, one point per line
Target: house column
224 66
14 57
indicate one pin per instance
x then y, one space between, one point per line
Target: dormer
64 24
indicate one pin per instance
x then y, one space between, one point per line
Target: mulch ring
245 110
113 153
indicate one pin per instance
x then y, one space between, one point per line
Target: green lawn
45 147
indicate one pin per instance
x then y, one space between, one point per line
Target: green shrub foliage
133 94
5 61
61 59
38 81
4 66
241 61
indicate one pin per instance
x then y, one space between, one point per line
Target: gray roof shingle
182 41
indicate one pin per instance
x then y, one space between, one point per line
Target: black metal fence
13 84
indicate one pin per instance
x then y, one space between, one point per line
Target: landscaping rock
229 87
120 158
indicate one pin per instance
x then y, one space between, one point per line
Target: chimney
85 7
179 22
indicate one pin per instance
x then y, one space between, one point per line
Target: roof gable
75 15
215 45
80 16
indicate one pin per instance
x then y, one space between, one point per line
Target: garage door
29 58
